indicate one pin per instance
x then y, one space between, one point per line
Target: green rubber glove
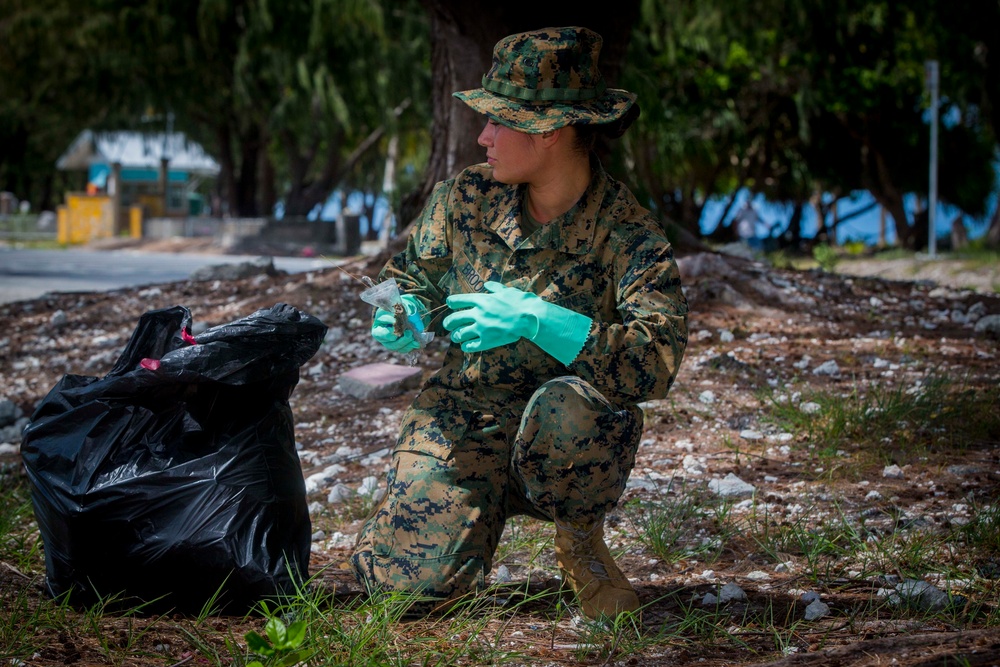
504 314
385 320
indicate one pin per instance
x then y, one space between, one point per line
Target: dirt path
958 273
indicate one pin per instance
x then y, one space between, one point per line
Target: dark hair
586 135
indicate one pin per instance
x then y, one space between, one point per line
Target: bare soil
752 327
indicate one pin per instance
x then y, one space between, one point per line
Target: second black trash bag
173 481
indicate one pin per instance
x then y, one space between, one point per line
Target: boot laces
582 550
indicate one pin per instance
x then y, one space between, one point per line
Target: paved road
28 274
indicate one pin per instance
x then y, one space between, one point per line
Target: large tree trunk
238 178
245 199
878 181
462 38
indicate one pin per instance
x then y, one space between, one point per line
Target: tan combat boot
589 569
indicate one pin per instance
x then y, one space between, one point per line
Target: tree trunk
462 38
904 237
268 193
881 227
794 228
227 169
993 233
246 180
879 184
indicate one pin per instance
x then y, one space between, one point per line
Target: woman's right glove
384 326
502 315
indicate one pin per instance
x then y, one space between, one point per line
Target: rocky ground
755 331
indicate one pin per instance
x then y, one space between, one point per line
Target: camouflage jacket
606 258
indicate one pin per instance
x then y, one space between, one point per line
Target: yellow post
62 224
135 222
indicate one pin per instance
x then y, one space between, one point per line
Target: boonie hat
546 79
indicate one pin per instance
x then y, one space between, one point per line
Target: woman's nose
486 136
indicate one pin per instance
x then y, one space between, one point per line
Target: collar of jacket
571 233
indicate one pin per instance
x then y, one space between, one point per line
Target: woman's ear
551 137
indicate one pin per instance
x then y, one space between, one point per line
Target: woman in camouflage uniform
565 311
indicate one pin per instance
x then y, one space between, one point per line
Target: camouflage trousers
456 477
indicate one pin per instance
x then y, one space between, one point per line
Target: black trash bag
172 483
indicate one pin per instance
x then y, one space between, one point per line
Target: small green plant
681 528
780 259
982 535
855 247
826 256
283 648
19 545
823 548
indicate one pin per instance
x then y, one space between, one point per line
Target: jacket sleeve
418 269
637 358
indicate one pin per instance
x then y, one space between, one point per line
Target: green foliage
283 648
296 98
795 99
826 256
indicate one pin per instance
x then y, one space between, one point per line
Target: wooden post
115 190
881 226
164 181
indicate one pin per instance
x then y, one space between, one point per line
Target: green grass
886 422
688 524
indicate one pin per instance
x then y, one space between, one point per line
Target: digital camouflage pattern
546 79
511 430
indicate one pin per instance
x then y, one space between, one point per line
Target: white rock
731 592
892 471
692 465
730 486
341 540
923 594
368 486
644 483
686 445
816 609
338 494
827 368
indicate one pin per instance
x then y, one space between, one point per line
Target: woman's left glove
504 314
385 328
